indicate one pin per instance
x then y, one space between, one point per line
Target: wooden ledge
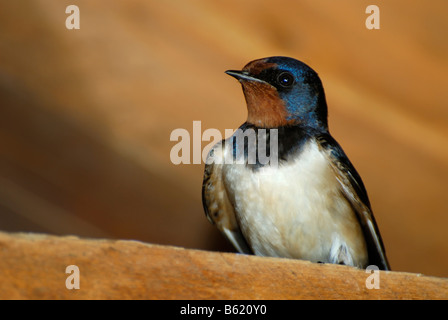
33 266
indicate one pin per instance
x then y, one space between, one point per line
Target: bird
308 204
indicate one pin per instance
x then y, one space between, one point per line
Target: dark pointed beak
242 75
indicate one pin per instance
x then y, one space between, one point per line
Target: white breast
296 210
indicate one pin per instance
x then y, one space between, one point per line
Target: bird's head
282 91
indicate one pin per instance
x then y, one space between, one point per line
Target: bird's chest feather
294 210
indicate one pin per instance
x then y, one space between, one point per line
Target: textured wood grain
33 267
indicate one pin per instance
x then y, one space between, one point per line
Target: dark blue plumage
305 97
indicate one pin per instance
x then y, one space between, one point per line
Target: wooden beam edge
34 266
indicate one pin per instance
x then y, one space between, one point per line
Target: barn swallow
313 204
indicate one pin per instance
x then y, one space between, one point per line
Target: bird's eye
285 79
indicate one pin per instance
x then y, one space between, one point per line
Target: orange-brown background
86 115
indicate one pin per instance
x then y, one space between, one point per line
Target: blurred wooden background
86 115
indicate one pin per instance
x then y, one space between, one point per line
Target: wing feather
218 209
355 192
